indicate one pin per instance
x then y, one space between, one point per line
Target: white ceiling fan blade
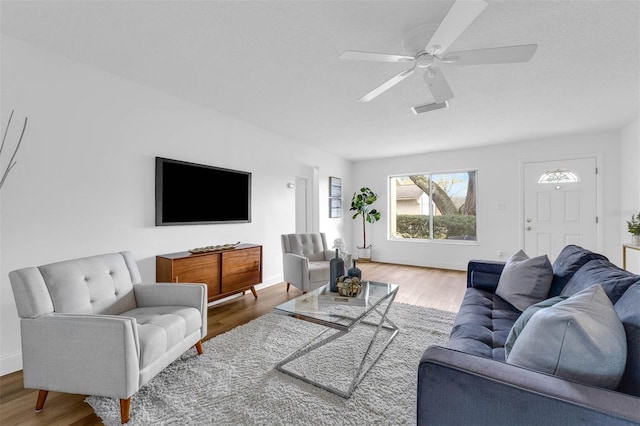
459 17
438 85
386 85
354 55
495 55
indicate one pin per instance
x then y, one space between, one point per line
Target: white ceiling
275 64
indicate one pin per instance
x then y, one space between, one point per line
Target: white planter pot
635 240
364 254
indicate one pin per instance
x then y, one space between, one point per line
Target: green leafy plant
361 204
444 226
634 224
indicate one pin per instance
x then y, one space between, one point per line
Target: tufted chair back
92 285
312 246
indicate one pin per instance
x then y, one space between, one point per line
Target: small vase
635 240
355 271
336 270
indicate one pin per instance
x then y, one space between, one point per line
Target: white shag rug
235 383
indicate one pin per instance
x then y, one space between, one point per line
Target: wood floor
435 288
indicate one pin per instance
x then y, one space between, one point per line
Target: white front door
560 206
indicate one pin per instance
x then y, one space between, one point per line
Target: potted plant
361 205
633 226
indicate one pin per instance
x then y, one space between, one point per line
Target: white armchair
305 260
90 327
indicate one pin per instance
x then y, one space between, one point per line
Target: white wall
84 183
499 181
629 187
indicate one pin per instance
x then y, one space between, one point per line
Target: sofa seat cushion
162 327
482 324
614 281
318 271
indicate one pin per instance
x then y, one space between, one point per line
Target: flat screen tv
195 194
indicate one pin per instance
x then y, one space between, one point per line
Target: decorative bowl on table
208 249
349 286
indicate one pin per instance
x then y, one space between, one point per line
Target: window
433 206
559 176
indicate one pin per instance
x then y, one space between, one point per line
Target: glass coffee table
357 331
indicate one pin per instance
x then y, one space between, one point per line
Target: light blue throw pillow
524 281
523 319
580 339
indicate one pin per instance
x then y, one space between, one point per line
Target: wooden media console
225 272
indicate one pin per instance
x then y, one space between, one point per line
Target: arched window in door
559 176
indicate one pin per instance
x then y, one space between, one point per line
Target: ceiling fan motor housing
424 60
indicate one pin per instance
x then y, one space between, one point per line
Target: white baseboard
10 362
455 266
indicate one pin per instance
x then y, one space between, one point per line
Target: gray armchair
305 260
90 327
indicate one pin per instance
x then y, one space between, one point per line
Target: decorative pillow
580 339
523 319
525 282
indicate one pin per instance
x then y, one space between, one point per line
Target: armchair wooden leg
125 407
198 347
42 397
288 285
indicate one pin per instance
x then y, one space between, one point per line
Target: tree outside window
433 206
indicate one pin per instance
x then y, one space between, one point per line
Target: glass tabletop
328 308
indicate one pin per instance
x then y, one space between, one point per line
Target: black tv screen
192 194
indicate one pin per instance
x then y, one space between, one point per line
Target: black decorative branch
12 161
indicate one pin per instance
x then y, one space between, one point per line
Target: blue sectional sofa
470 383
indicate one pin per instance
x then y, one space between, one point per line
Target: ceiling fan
459 17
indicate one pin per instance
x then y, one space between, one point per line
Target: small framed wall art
335 207
335 197
335 187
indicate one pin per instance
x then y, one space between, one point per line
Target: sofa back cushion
100 284
628 310
614 281
311 246
570 259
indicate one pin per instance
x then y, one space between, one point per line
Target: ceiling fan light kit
429 107
458 18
